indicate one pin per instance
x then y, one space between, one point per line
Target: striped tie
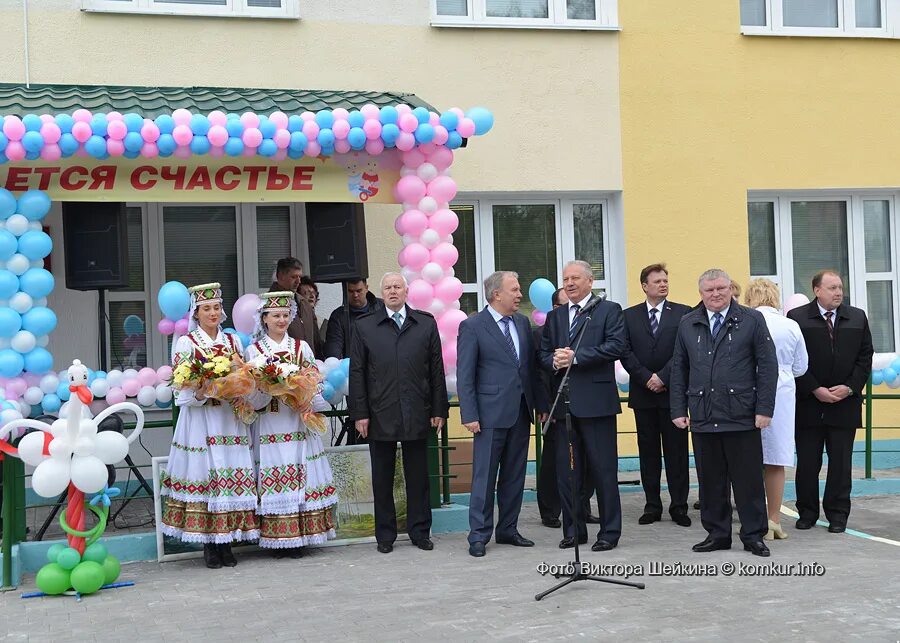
829 324
509 340
717 324
654 324
573 327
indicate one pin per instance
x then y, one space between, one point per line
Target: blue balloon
35 244
877 378
889 375
200 144
32 156
96 146
298 141
482 118
133 325
38 361
245 339
134 141
267 128
267 147
38 321
32 141
326 138
9 406
10 322
8 245
327 391
163 405
328 150
50 403
540 292
356 119
36 282
294 154
345 366
295 123
128 154
454 141
67 144
166 144
388 114
100 375
63 392
424 133
7 208
896 364
449 120
35 410
92 375
199 125
325 118
230 331
174 300
336 377
623 387
234 127
9 284
99 125
234 146
34 204
64 122
11 363
421 114
32 122
165 123
133 122
3 141
356 138
389 134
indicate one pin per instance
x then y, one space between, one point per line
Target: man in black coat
398 394
650 330
338 334
724 374
594 400
829 399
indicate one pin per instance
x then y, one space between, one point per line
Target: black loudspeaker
96 245
336 234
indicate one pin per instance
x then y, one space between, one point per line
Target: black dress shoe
385 548
424 544
211 557
228 559
476 549
804 523
697 505
710 544
837 528
517 540
568 543
592 520
682 520
602 545
553 523
648 518
757 548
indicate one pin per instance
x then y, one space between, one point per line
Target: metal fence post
434 472
445 464
869 428
9 524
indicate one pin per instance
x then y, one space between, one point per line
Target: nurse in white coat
778 439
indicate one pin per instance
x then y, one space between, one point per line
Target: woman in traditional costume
209 481
297 496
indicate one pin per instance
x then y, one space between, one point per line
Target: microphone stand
576 573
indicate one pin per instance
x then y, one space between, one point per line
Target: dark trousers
838 442
594 440
415 470
503 451
655 428
547 489
736 455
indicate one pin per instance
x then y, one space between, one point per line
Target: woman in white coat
778 439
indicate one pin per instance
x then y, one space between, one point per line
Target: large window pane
761 223
868 13
581 9
877 227
517 8
819 240
753 13
525 242
810 13
127 334
135 232
452 8
588 219
273 239
464 240
881 315
201 246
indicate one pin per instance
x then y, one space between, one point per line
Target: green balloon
111 569
88 577
54 552
53 579
68 558
96 553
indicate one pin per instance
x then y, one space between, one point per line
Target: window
273 240
848 18
217 8
127 307
546 14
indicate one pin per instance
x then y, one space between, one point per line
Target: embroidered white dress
209 482
297 496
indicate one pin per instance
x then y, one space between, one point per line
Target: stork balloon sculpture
71 454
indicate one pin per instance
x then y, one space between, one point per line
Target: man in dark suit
722 384
829 399
594 400
288 272
397 394
650 330
499 390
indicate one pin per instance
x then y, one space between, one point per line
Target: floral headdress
271 302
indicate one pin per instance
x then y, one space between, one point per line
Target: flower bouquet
218 377
293 385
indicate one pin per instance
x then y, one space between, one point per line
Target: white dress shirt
822 312
512 328
390 314
710 314
581 304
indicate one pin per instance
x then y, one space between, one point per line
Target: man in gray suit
499 389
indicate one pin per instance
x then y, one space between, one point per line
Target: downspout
25 25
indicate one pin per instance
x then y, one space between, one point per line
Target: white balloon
430 238
454 304
31 448
115 378
449 238
33 395
87 428
437 307
58 427
163 393
60 447
409 274
21 302
432 272
894 384
40 301
84 447
17 224
51 477
99 388
427 172
88 473
64 411
449 272
406 171
23 342
130 374
37 263
882 360
43 341
49 383
35 225
426 205
111 447
407 239
451 384
332 362
18 264
622 376
147 396
24 408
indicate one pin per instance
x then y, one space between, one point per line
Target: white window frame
606 11
289 10
890 23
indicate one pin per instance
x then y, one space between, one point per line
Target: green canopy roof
150 102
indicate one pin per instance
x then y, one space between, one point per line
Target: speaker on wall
96 245
336 235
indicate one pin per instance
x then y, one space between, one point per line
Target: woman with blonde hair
778 438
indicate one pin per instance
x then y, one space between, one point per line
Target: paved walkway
356 594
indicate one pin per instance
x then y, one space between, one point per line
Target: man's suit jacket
489 382
847 361
592 382
646 353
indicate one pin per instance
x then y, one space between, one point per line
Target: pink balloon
51 133
413 159
398 225
164 373
405 141
340 114
309 116
433 119
51 152
18 386
414 256
442 188
14 128
249 119
217 136
340 128
252 137
372 128
370 111
147 376
114 116
445 254
448 289
280 119
282 139
448 351
182 134
421 294
311 130
312 149
441 135
82 116
795 301
14 151
115 147
116 130
539 318
449 322
402 109
130 387
216 152
427 148
47 118
243 315
181 116
115 395
81 131
413 222
181 326
249 151
217 117
457 111
441 158
183 152
466 127
150 132
342 146
166 326
149 150
408 123
444 222
410 189
375 147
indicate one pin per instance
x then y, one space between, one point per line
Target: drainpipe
25 30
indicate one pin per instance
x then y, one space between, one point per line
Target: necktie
573 327
717 324
398 319
654 324
509 340
829 324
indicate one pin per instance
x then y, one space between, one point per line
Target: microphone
593 302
